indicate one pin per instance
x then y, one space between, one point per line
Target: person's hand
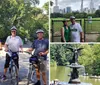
83 40
64 40
42 53
6 49
29 50
21 51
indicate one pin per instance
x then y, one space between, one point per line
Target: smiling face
66 23
13 33
72 20
40 35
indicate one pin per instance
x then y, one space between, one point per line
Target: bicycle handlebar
27 52
21 52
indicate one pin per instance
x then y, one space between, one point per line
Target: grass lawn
94 27
90 28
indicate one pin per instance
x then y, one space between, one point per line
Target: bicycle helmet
39 31
13 28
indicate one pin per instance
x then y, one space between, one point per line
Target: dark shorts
41 65
7 61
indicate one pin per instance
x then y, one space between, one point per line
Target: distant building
99 7
68 10
82 6
86 10
92 9
56 7
64 11
61 11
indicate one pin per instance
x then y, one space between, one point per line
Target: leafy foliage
24 15
89 56
76 14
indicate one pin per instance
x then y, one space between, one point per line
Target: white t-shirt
14 43
75 32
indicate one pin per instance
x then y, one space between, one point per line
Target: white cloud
76 4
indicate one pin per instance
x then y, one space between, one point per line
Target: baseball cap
72 17
39 31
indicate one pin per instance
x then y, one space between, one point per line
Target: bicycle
13 70
35 62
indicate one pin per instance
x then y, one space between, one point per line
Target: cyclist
13 43
40 45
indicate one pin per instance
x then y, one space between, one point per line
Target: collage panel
49 42
74 47
24 42
74 64
75 21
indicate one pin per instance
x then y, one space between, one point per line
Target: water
61 73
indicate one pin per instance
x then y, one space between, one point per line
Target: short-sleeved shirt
40 46
76 29
14 43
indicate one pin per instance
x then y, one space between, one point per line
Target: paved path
24 64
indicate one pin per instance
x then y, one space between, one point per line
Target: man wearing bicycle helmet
40 45
13 43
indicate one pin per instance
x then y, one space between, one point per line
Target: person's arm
62 34
6 44
21 48
69 34
21 44
6 47
32 47
44 53
81 33
82 36
29 49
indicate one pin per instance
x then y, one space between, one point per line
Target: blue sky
76 4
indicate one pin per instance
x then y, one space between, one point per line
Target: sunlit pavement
23 70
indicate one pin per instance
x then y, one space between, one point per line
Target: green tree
89 57
24 15
46 7
97 13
